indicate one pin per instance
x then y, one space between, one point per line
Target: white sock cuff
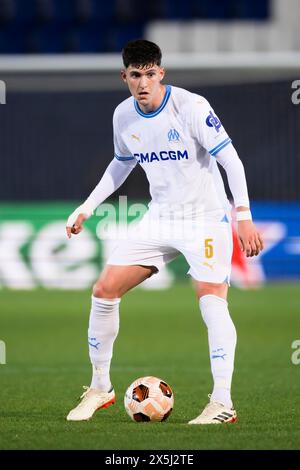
206 299
99 301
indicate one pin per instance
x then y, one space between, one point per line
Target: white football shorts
205 243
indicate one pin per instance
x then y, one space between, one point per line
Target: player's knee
105 290
209 288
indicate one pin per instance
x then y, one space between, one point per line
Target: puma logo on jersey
136 137
208 265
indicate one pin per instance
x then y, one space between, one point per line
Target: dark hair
141 53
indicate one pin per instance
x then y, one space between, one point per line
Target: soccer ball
149 399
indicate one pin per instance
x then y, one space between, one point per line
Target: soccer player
178 140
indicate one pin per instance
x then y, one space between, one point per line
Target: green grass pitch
161 334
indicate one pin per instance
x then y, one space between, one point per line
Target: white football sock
222 342
102 332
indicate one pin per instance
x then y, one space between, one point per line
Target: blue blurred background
58 26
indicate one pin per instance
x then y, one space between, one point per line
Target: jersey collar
158 110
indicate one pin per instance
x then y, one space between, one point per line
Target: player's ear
162 73
123 75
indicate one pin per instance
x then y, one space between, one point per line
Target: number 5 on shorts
208 248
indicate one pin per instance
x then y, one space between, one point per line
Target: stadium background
56 127
60 62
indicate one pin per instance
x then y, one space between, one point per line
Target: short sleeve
207 127
120 149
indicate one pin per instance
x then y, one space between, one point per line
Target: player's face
144 85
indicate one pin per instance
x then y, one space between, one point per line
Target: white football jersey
176 145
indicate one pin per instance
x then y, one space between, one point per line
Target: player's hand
250 240
76 219
77 227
